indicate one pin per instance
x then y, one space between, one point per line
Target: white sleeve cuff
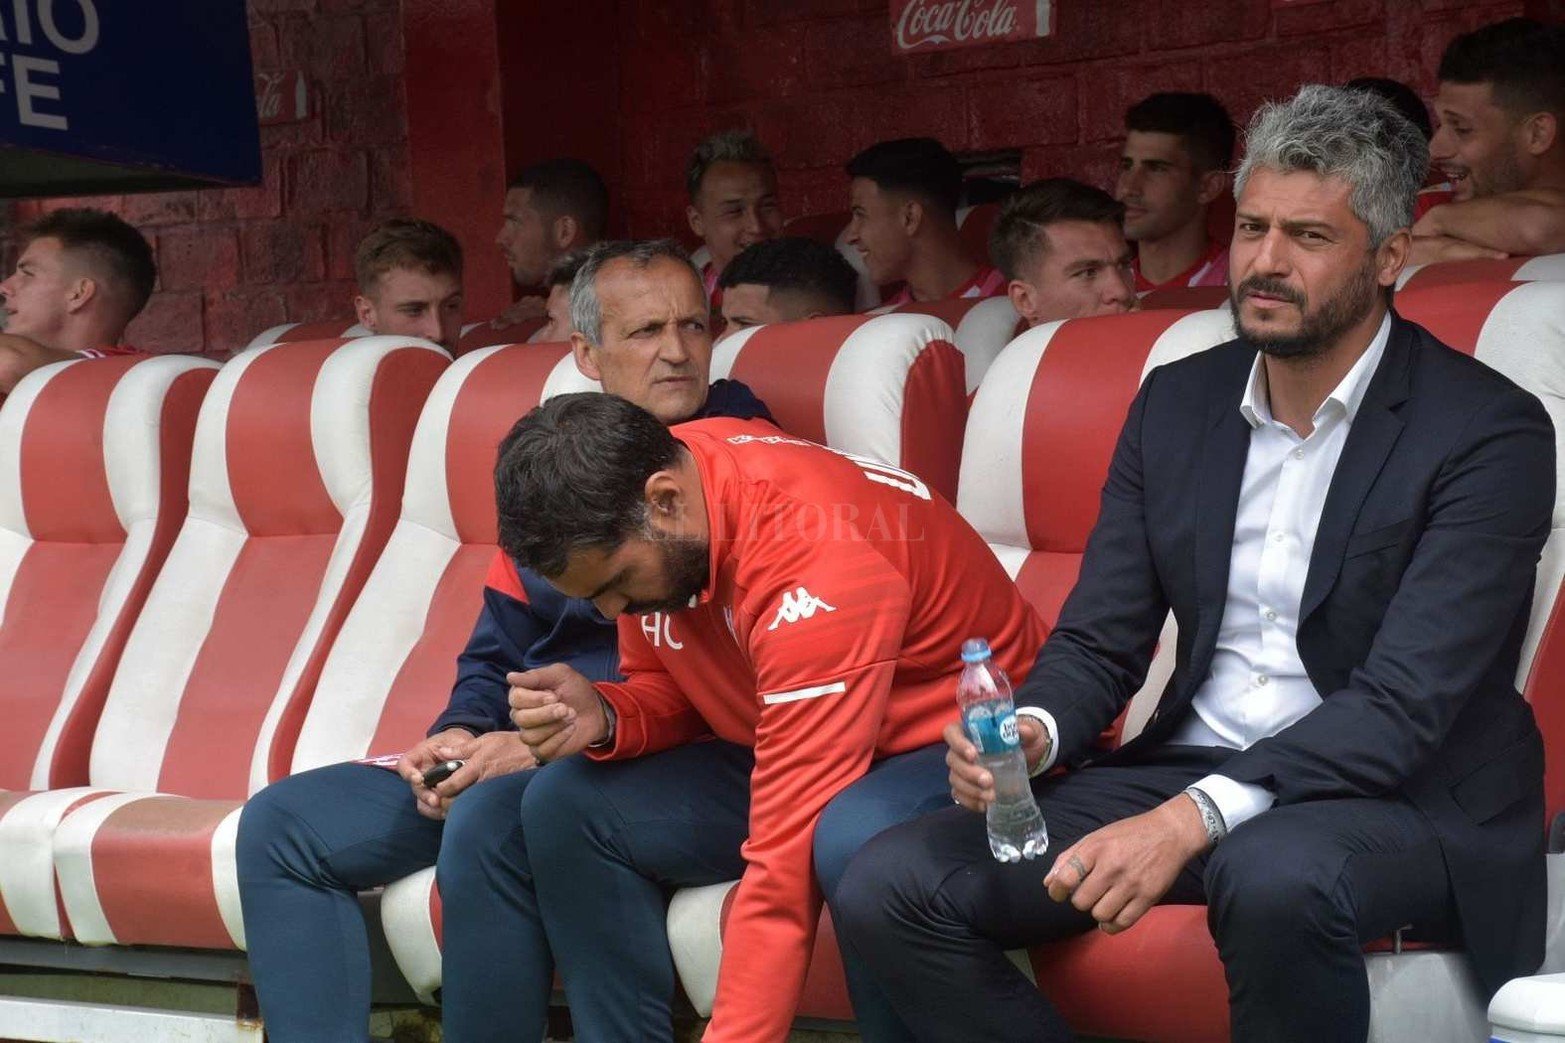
1238 802
1045 718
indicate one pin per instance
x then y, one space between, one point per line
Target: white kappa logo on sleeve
796 605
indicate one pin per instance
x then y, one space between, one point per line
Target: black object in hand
441 772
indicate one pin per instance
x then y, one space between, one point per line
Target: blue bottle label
992 732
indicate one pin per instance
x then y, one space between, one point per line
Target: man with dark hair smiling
309 842
786 280
82 276
904 195
1501 144
1059 243
773 666
1345 517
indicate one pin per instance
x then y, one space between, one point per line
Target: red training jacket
827 637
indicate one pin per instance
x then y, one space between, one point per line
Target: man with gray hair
733 200
1345 517
309 842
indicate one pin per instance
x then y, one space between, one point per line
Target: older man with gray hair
1345 516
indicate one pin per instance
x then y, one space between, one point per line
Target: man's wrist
1212 822
610 719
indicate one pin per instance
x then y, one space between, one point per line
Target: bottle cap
976 650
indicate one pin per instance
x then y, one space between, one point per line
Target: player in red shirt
790 622
733 201
904 197
1174 165
1500 145
82 276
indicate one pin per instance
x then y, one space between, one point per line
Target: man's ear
697 226
364 308
566 231
1213 184
912 217
1540 131
1023 300
82 292
665 501
586 357
1392 256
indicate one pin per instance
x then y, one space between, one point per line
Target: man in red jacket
790 620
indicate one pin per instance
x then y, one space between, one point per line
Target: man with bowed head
785 685
1344 516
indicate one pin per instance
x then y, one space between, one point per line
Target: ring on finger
1081 867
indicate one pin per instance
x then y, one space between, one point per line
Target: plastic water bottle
1016 829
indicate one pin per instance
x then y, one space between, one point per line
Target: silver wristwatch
1211 817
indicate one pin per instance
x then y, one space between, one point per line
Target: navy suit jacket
1415 605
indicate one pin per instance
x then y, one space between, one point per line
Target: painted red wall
234 261
428 106
818 80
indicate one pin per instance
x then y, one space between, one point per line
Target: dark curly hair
571 475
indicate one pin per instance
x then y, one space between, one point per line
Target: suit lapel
1375 430
1224 448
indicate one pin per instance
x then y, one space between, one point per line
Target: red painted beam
456 136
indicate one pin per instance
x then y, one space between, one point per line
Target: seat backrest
296 479
394 661
476 335
981 328
325 329
975 223
1039 439
94 466
1547 268
1518 328
1185 298
1042 430
890 387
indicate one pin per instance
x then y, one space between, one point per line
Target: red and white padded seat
477 335
94 464
1547 268
393 662
296 479
975 223
1184 298
325 329
982 329
891 387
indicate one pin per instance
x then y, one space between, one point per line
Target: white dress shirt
1257 685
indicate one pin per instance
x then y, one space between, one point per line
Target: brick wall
234 261
818 80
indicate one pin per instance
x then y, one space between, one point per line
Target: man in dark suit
1345 518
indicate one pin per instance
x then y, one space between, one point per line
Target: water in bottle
1016 829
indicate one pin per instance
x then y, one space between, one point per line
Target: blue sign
158 93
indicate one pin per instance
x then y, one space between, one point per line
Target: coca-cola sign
939 25
281 97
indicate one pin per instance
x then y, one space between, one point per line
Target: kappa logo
796 605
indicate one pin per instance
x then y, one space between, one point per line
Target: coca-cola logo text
925 22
